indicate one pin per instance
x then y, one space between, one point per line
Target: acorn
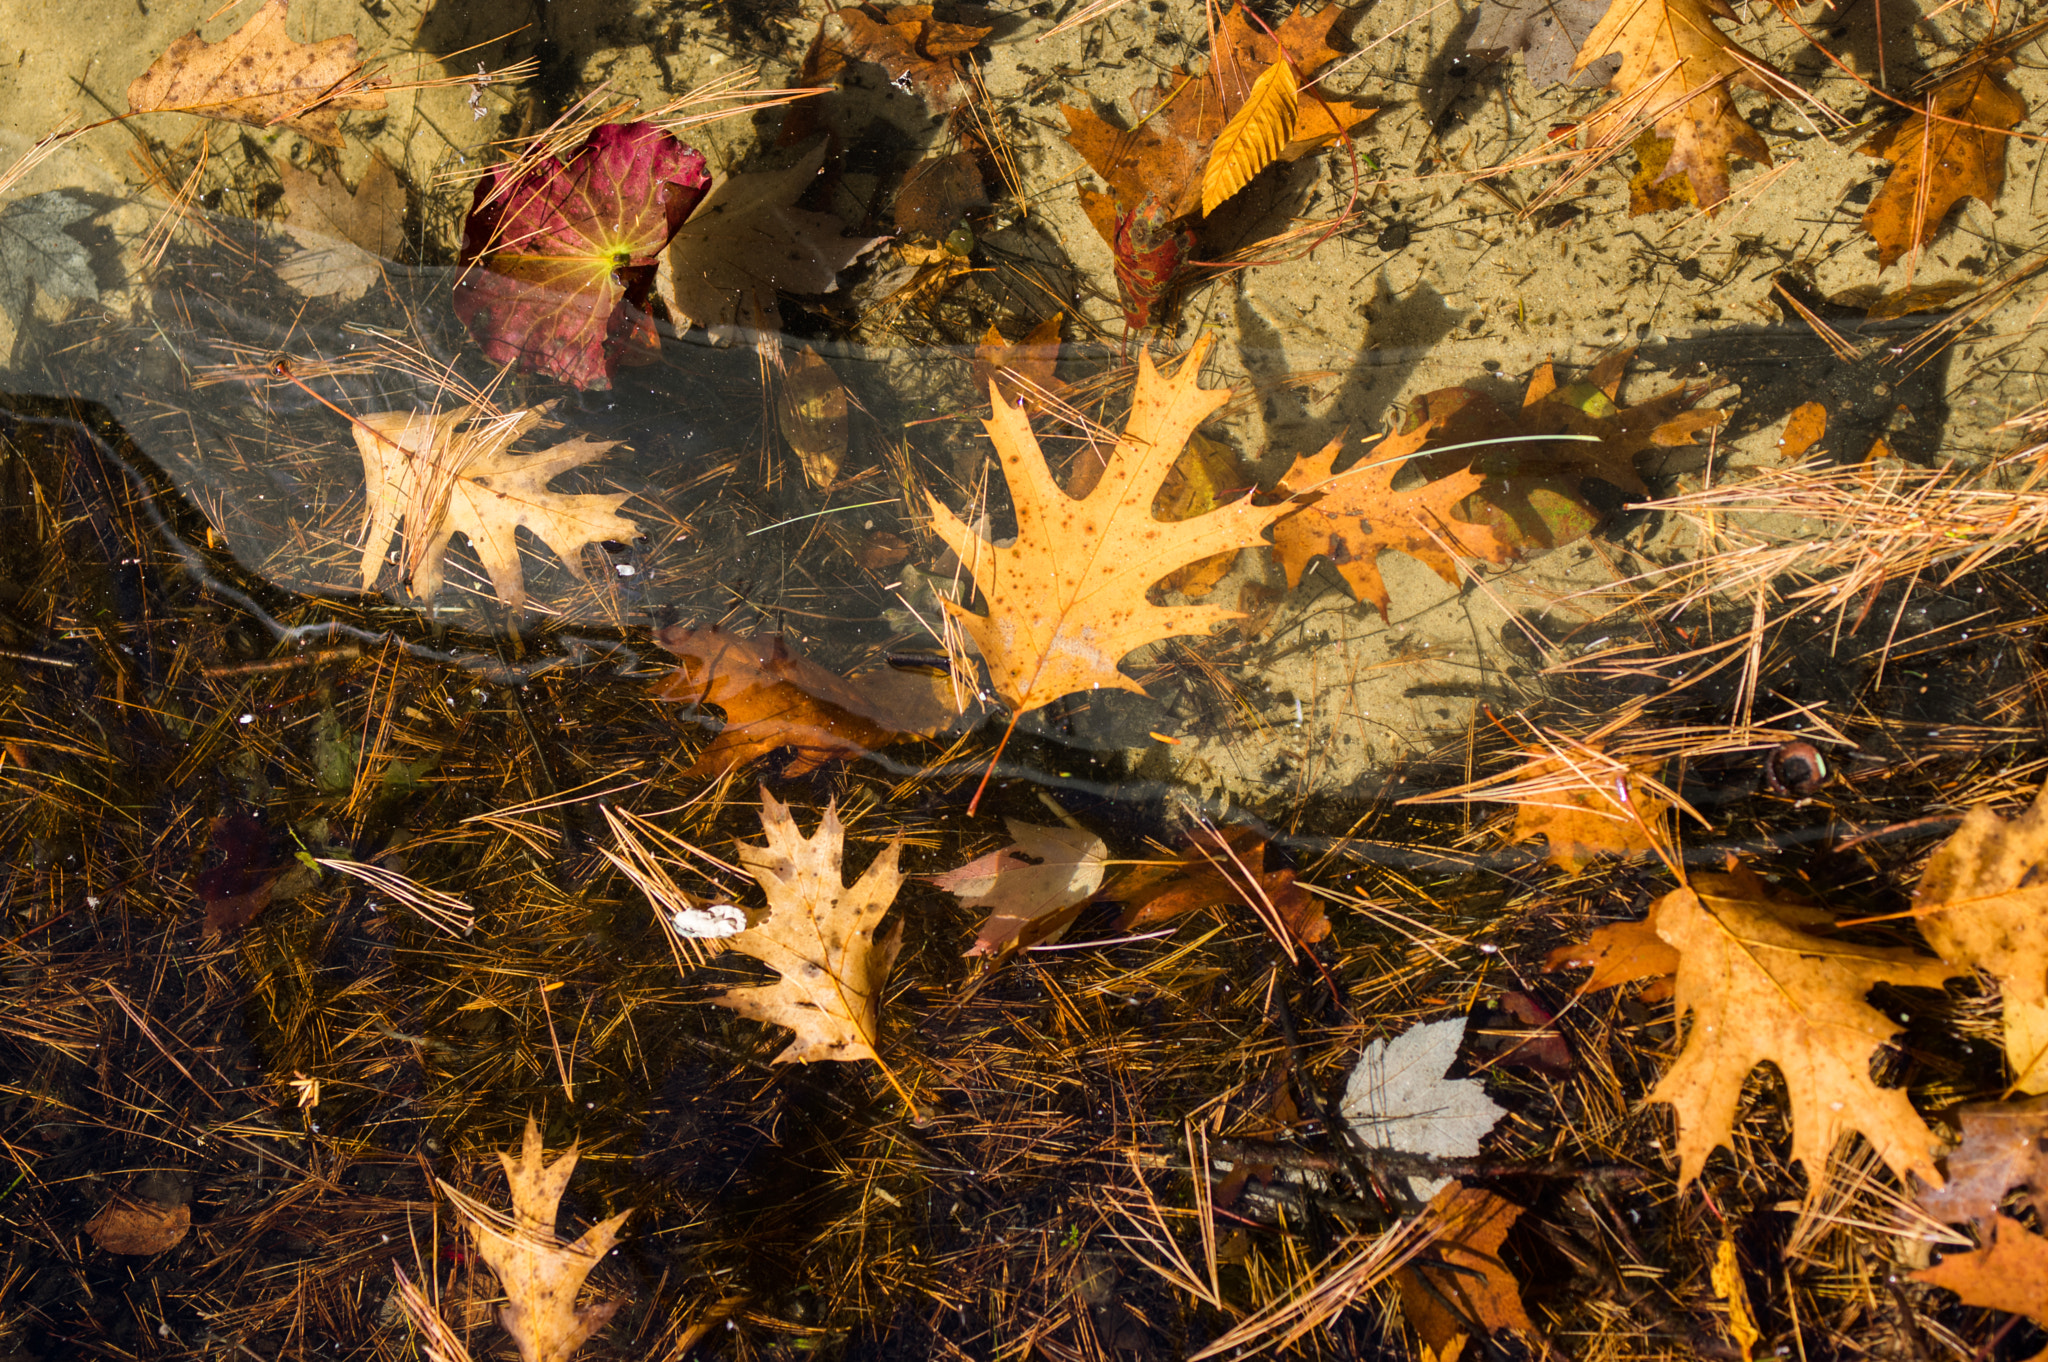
1796 769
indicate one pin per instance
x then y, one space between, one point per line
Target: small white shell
711 920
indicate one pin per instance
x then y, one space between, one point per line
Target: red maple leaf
560 256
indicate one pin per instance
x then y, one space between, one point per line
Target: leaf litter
203 739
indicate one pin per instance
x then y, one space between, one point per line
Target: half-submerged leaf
560 256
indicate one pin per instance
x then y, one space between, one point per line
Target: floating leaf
1029 886
560 256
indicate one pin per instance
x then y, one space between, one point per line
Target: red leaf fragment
560 256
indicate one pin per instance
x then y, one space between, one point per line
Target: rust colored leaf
1982 904
1803 430
2009 1273
1033 888
905 40
1216 869
1363 517
1758 988
1066 598
1003 363
258 76
560 256
139 1227
1938 163
1668 48
1254 137
1464 1281
2002 1148
540 1275
775 697
819 936
811 410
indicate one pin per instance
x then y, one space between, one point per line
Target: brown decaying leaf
2002 1148
1981 904
449 472
1464 1281
1581 822
1354 523
1938 163
260 77
1618 953
775 697
2009 1273
1216 870
810 409
1002 363
1669 48
1032 888
1758 989
1254 137
372 217
904 40
746 243
937 192
139 1227
819 935
1066 597
539 1274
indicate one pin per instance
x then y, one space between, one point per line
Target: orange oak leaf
539 1273
1308 43
1353 524
258 76
1618 953
819 936
1677 68
775 697
1958 153
2009 1273
1464 1282
1981 905
1033 888
1066 597
1758 988
1218 868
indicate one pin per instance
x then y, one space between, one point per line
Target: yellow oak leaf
1678 67
1980 905
1066 598
259 76
1758 988
540 1274
449 472
819 935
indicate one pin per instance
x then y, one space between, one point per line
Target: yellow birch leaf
1727 1280
1254 137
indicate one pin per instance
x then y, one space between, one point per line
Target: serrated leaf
1254 136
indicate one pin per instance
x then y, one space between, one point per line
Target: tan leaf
259 76
1066 598
2004 1145
1957 154
1254 136
775 697
139 1227
1760 989
450 472
810 408
1980 906
1465 1279
1579 822
1023 369
2009 1273
343 239
1670 48
539 1274
1364 516
819 935
1029 885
